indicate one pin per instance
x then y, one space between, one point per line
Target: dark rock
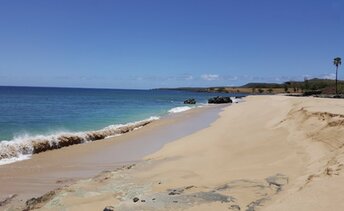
143 200
36 203
172 193
223 187
252 206
7 200
136 199
130 166
153 199
311 92
190 101
176 192
109 208
189 187
277 181
338 96
234 207
220 100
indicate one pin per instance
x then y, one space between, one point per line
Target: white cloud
210 77
329 76
189 78
230 78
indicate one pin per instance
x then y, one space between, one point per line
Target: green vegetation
262 85
315 85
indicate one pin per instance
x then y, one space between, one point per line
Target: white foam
14 159
179 109
201 105
236 100
114 127
21 146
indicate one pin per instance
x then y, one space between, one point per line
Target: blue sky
151 43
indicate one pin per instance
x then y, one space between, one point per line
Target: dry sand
268 153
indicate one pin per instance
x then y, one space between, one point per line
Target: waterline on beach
179 109
52 118
22 147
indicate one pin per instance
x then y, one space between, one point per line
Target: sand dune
268 153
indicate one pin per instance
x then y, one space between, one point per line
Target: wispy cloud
230 78
189 78
329 76
184 77
210 77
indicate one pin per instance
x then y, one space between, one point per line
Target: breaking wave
179 109
237 99
22 147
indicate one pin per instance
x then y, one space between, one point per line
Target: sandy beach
267 153
53 169
171 105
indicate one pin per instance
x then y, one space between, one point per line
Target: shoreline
22 147
19 150
53 169
267 153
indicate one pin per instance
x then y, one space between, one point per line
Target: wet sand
267 153
53 169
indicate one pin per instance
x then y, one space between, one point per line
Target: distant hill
191 89
325 86
262 85
315 83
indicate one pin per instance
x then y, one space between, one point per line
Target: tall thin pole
336 79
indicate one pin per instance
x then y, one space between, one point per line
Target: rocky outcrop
109 208
220 100
39 202
7 200
190 101
311 92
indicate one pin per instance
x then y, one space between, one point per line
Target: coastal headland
266 153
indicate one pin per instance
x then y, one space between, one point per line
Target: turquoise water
30 111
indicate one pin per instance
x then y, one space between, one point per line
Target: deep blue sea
31 111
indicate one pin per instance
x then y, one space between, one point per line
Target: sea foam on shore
185 108
22 147
179 109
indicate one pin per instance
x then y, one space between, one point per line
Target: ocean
34 113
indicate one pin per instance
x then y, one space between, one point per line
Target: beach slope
267 153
